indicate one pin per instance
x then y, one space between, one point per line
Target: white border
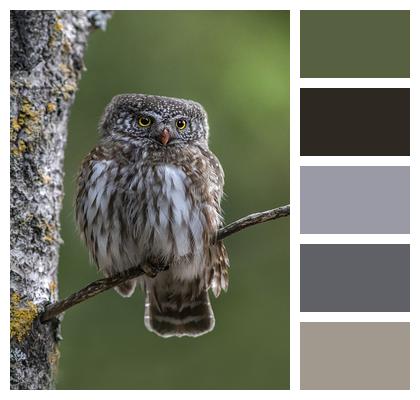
310 238
294 5
295 83
354 317
414 197
354 161
354 82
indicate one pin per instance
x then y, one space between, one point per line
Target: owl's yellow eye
181 124
144 122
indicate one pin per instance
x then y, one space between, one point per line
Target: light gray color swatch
355 355
355 200
355 277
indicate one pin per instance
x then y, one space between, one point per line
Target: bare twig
101 285
252 219
89 291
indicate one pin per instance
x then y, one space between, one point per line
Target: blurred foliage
235 63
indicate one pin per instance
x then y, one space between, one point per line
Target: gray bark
47 50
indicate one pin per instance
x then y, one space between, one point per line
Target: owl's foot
154 267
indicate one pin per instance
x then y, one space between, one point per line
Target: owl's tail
168 315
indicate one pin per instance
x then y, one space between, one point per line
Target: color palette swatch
355 355
355 44
355 278
355 122
354 274
356 199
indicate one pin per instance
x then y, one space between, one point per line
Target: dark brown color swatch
355 122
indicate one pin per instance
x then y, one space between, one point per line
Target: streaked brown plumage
149 194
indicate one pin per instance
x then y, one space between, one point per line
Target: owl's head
163 120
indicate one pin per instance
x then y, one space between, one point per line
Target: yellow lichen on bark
46 179
14 129
68 89
15 125
20 148
29 120
48 230
53 286
51 107
22 314
58 26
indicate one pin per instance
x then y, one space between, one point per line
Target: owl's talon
149 270
152 269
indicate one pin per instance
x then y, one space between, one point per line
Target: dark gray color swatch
355 355
355 200
355 277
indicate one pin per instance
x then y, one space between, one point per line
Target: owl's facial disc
137 117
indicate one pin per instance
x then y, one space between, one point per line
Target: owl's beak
165 136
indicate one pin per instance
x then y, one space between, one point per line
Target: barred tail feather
189 317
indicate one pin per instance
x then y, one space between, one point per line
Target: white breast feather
170 191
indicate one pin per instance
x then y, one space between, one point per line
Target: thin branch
91 290
252 219
101 285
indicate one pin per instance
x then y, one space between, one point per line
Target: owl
149 195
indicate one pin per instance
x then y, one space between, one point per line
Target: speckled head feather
124 110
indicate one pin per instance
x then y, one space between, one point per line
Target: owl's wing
94 158
219 279
217 180
92 196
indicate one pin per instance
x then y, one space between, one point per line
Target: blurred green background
235 63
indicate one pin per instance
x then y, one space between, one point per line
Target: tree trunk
46 63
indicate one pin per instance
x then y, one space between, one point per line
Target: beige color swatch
355 355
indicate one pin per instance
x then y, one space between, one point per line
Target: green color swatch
355 44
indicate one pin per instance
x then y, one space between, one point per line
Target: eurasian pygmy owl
149 195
